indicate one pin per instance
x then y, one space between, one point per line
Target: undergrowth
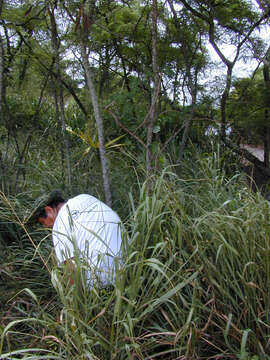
194 284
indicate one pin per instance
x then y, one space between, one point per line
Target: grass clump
194 285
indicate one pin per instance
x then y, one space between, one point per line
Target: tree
234 20
59 98
265 7
156 87
193 61
85 19
8 54
141 61
2 85
266 97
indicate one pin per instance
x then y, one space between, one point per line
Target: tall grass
194 284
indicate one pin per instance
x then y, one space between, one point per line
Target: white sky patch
241 68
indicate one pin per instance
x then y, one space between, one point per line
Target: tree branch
107 108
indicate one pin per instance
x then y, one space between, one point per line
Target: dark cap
49 199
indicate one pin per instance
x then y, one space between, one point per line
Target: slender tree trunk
2 64
267 109
184 138
265 6
2 163
3 109
59 99
224 99
82 26
192 85
99 122
153 110
192 82
125 74
104 79
65 137
266 141
5 116
59 133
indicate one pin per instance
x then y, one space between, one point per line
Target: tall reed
194 283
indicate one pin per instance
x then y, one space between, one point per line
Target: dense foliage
122 100
194 283
139 68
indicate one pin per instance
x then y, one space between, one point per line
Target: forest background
122 100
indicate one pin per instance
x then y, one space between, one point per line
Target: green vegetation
114 98
194 285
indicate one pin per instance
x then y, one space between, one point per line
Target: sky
241 68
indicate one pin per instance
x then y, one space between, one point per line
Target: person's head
48 208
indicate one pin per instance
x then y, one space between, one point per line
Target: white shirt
88 229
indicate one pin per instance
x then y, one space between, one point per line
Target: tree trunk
2 164
59 133
193 88
153 110
266 141
99 122
82 26
65 137
267 109
224 99
59 100
2 64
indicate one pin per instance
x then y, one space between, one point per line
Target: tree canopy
139 68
